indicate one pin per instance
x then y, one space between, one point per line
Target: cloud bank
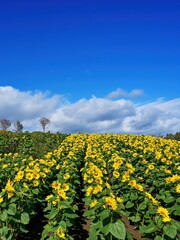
94 115
122 93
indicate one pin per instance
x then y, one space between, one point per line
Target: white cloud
123 93
100 115
158 118
93 115
27 106
136 93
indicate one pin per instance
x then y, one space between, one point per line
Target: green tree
175 136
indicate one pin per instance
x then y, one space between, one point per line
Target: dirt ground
79 231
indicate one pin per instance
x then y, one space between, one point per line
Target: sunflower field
109 186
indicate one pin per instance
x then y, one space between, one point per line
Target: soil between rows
80 231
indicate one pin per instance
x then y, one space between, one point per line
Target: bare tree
44 122
5 124
18 126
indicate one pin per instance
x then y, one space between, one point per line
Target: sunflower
164 213
56 185
60 233
178 188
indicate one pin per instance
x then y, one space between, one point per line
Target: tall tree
18 126
44 122
5 124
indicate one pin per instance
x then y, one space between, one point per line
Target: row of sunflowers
119 179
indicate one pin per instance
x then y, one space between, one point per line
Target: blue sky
77 50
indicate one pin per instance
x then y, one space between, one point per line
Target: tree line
175 136
5 124
44 122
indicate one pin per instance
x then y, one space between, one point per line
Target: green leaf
158 238
93 232
177 210
88 213
133 197
95 226
106 229
63 225
105 225
48 207
51 238
118 230
176 224
4 231
75 207
71 215
148 229
93 236
4 216
12 209
159 222
23 230
77 181
123 213
55 238
46 231
16 218
142 206
169 199
152 211
35 191
136 218
129 204
10 236
68 223
170 231
65 204
25 218
129 236
104 214
53 213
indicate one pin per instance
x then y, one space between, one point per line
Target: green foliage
35 144
175 136
112 176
